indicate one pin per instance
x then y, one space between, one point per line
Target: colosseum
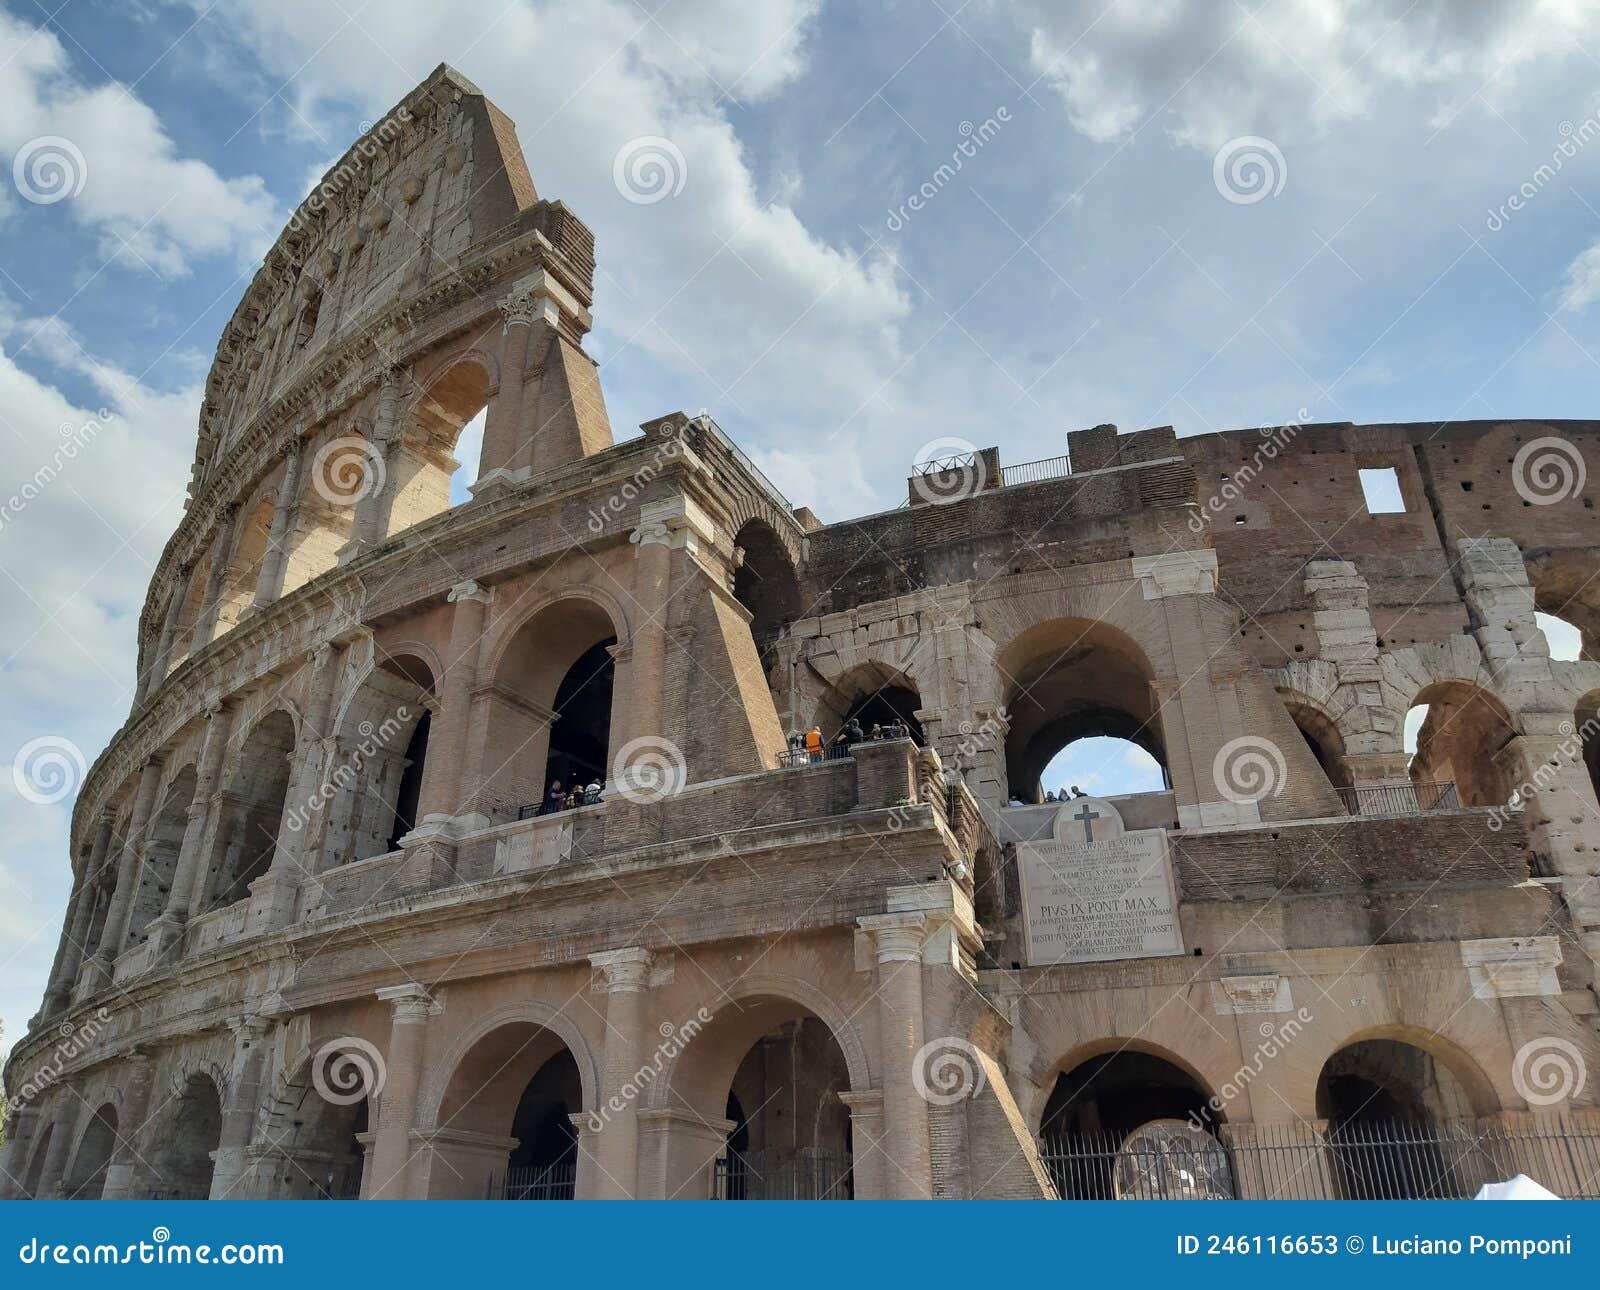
629 831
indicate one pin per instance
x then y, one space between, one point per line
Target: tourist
554 798
814 744
591 795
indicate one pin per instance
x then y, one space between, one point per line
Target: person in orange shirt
814 743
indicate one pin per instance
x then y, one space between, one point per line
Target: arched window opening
1564 638
183 636
795 1143
549 709
160 860
244 570
1322 737
1586 719
382 755
1383 1101
319 1154
873 695
180 1163
337 471
1565 589
86 1177
1456 733
765 583
253 809
35 1172
1073 680
580 737
436 460
519 1084
1112 1121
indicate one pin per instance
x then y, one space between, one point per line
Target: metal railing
1366 1160
1031 472
774 1175
536 1182
1400 799
835 751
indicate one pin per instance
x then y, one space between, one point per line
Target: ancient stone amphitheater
333 935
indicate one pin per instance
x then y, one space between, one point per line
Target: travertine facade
320 943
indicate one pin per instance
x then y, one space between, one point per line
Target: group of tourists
809 747
557 798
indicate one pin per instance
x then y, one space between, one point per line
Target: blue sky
1093 258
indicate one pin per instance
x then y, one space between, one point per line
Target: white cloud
1583 281
1209 72
147 204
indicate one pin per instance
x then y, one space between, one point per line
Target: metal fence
1400 799
1449 1160
771 1175
536 1182
1031 472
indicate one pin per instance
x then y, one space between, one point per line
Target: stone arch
792 994
1109 1045
158 861
874 692
1465 1069
1461 740
746 508
244 561
85 1177
529 1012
1319 726
188 1134
311 1141
255 795
505 631
1566 585
766 583
335 470
421 461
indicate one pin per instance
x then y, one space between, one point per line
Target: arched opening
1586 718
160 860
1566 590
336 473
1565 639
253 809
1322 736
873 694
180 1161
549 712
765 583
1384 1101
317 1140
86 1176
1455 740
183 636
1072 681
427 476
244 569
1132 1124
514 1094
35 1171
382 755
769 1073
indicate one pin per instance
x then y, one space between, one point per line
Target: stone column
20 1127
157 671
64 1117
269 582
168 933
867 1162
314 754
75 930
584 1184
397 1106
371 522
442 791
205 623
228 1175
616 1146
136 1078
520 310
652 590
908 1164
116 924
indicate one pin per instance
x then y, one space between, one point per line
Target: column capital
411 1002
470 590
897 938
626 970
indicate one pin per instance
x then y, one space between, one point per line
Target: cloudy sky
883 226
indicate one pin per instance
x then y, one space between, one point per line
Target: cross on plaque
1086 815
